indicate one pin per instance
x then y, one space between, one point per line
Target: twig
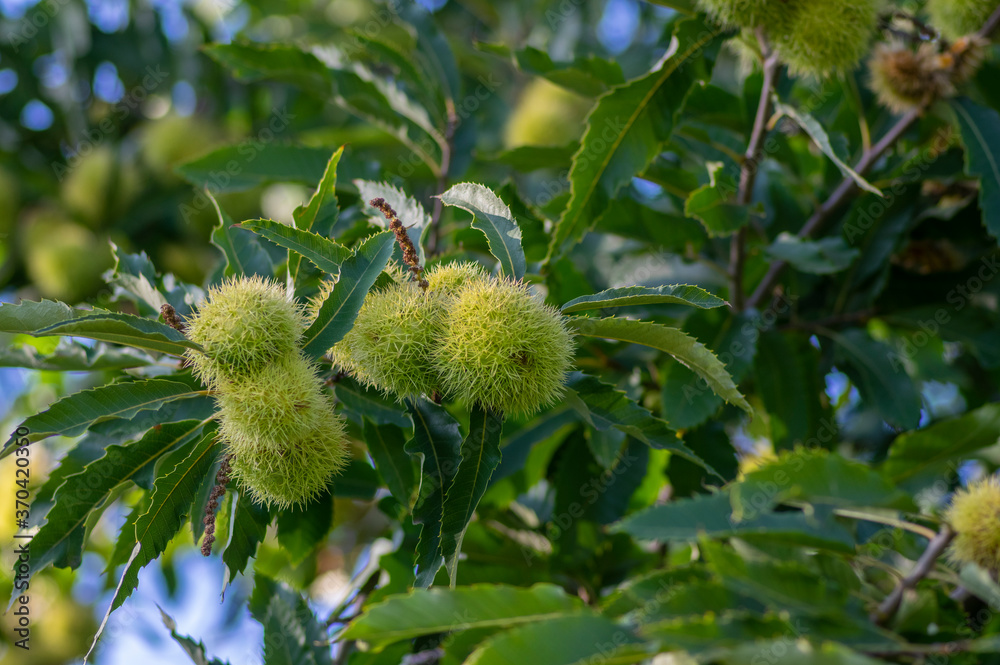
840 196
924 566
848 187
446 150
749 169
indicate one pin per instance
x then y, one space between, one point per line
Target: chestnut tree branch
749 169
924 566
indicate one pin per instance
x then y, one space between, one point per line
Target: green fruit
956 18
282 402
390 345
502 348
820 37
742 13
98 188
293 472
173 139
974 514
449 278
64 260
246 323
546 114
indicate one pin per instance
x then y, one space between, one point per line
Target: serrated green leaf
292 634
170 501
568 640
73 414
385 444
123 329
480 458
302 529
816 132
674 294
627 127
253 62
242 249
357 275
930 451
320 214
437 445
603 406
792 389
686 520
978 125
248 523
322 252
492 217
785 652
686 350
60 540
428 611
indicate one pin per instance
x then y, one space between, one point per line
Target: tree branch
449 136
749 169
924 566
847 187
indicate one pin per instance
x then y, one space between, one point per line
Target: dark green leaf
385 444
428 611
324 253
72 415
123 329
480 458
236 168
683 348
437 445
982 156
570 640
589 77
815 475
792 390
686 520
603 406
60 540
627 128
169 503
370 404
357 275
883 385
242 249
247 527
302 529
72 356
939 447
713 204
493 218
818 257
292 633
320 214
674 294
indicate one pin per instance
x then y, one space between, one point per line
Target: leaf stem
749 169
442 182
